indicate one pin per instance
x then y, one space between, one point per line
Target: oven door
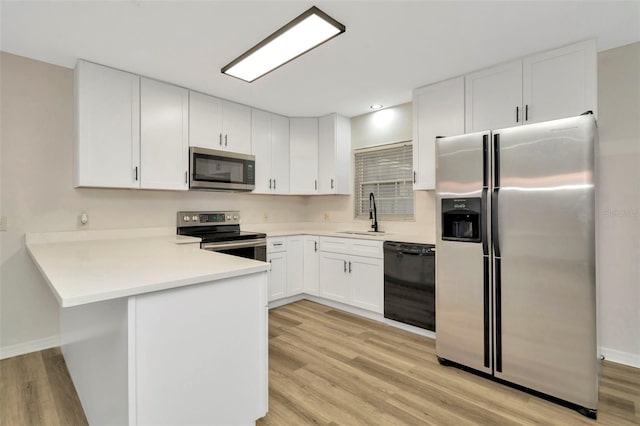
251 249
221 170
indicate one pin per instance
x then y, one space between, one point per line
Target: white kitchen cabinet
219 124
493 97
367 283
555 84
438 110
334 277
311 265
164 136
277 256
107 120
560 83
295 265
352 272
334 154
304 155
270 146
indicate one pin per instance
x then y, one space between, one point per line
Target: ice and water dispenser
461 219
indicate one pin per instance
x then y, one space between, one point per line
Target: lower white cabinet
311 265
295 265
277 257
354 280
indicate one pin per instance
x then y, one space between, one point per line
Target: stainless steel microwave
221 170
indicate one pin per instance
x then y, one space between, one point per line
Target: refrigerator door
545 311
462 261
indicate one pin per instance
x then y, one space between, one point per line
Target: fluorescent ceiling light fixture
376 106
309 30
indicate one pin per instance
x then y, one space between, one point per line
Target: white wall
37 195
619 203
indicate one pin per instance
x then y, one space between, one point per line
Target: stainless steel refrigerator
515 270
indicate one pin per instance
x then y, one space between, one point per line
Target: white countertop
81 268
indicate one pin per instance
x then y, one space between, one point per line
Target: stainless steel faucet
373 212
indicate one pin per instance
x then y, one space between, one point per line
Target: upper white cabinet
334 154
493 97
438 110
270 145
107 144
554 84
560 83
304 155
219 124
164 136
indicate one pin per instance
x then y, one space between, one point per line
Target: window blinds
386 171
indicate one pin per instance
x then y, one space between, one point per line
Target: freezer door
545 311
462 263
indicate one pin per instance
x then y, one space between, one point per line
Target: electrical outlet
3 223
326 216
83 219
266 216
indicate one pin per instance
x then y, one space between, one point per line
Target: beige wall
37 193
619 202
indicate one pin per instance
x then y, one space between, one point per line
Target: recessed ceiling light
376 106
299 36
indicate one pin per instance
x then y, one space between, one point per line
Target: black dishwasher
410 283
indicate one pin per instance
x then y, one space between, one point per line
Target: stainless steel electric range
220 231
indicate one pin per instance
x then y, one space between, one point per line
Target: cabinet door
334 278
277 275
236 126
205 121
280 154
304 155
107 127
560 83
295 265
164 136
367 283
493 98
261 148
438 110
334 155
311 265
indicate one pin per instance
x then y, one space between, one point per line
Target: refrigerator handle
487 296
485 160
494 196
497 273
483 220
496 160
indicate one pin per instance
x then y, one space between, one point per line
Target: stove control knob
194 218
186 218
228 217
235 217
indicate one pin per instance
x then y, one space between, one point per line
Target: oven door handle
234 245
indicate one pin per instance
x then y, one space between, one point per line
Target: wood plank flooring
329 367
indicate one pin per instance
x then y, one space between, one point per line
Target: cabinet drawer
334 244
276 244
354 246
365 248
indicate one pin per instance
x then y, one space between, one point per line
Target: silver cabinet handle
316 183
225 140
277 244
517 114
274 184
345 265
331 183
220 139
186 177
414 177
315 246
269 183
349 266
136 173
526 113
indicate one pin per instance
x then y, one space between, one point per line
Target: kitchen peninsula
155 330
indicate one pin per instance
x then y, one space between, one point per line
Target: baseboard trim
620 357
28 347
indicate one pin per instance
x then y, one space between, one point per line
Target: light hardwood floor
332 368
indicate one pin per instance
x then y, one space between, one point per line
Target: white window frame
396 207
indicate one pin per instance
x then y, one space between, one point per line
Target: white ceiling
389 48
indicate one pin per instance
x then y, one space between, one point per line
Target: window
386 171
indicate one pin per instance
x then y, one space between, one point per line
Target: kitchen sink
369 233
